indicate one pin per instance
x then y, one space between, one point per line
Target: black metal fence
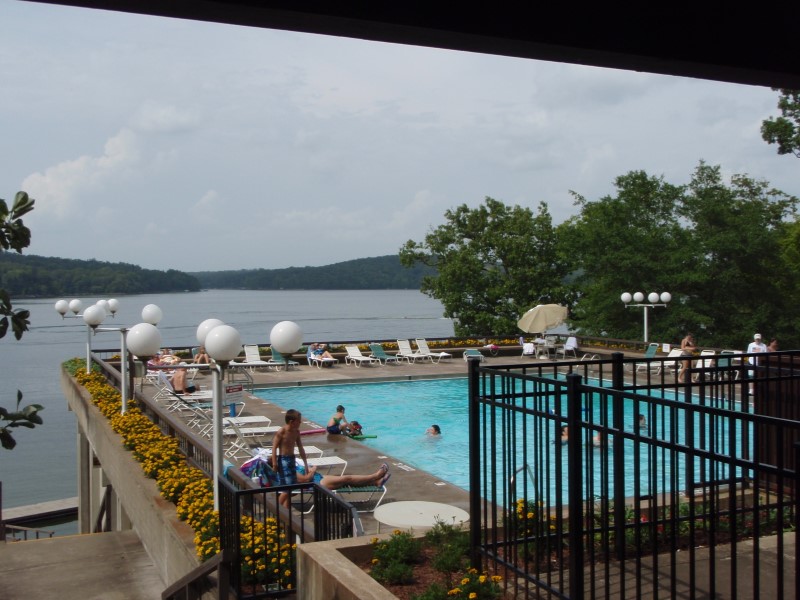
261 534
601 479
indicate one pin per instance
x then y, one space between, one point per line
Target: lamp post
223 343
107 306
653 299
286 337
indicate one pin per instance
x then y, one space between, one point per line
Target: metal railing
259 529
697 501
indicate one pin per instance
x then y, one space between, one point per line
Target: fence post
796 517
618 423
474 464
575 478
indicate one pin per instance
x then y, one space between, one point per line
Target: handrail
194 583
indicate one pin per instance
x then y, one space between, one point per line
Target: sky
174 144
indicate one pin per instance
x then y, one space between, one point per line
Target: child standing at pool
283 460
337 423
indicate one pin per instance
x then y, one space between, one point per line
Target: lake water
42 466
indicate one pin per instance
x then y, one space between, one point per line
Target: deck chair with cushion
424 350
278 360
354 356
649 365
379 353
315 360
528 349
404 351
473 353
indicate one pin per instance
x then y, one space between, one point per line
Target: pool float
312 431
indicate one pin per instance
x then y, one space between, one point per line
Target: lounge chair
649 365
473 353
278 360
404 351
568 347
355 357
320 361
424 350
252 359
528 349
705 362
672 364
379 353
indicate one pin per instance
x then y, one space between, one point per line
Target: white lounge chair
705 362
252 358
424 350
354 356
568 347
320 361
528 349
404 351
671 364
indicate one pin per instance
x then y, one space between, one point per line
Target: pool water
398 413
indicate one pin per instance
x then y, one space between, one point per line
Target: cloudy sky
194 146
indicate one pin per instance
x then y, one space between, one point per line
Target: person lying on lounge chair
334 482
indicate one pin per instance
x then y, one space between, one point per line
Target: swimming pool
400 412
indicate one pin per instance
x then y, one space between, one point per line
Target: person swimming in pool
434 430
338 423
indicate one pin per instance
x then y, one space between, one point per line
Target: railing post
474 463
618 423
575 478
796 517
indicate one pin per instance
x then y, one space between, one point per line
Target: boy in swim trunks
283 461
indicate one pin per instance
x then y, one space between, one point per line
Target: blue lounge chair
379 353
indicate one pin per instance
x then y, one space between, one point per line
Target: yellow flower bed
268 557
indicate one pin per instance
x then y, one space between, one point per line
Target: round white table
417 514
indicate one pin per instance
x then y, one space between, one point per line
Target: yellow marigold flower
482 578
530 515
454 591
375 561
497 578
472 571
465 581
397 532
473 595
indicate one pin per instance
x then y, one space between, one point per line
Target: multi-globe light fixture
654 299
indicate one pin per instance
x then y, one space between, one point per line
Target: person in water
434 430
338 423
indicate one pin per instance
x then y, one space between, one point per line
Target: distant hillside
381 272
31 276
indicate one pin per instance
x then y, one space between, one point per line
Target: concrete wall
326 571
168 541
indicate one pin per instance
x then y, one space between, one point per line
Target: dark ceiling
755 44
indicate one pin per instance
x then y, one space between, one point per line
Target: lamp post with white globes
222 343
109 307
653 299
286 337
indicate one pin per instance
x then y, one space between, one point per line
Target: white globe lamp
104 305
638 297
113 306
652 297
223 343
286 337
204 328
152 314
144 340
666 297
62 306
75 305
626 298
94 315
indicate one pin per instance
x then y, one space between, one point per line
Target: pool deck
406 483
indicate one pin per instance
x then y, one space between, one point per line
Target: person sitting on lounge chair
334 482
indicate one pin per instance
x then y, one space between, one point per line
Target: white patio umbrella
542 317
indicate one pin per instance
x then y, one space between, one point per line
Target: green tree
727 252
628 242
14 235
784 130
492 263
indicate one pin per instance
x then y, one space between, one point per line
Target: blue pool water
400 412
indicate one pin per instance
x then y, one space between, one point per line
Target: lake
42 466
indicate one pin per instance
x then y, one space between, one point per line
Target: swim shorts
287 470
334 429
